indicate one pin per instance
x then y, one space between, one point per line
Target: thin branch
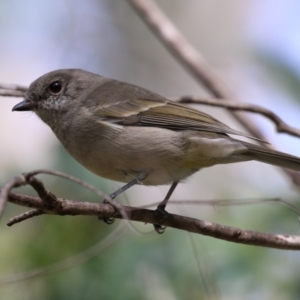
281 126
84 184
195 63
236 235
74 179
12 90
44 194
4 192
11 93
25 216
13 87
50 204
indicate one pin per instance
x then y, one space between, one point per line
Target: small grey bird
129 134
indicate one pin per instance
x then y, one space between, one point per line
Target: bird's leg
124 188
161 208
162 205
117 193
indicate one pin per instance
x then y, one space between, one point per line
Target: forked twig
50 201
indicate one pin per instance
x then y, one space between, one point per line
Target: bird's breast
123 153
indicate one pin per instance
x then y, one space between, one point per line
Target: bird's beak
25 105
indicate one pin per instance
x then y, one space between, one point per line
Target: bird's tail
272 157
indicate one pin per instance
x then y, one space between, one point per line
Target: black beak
25 105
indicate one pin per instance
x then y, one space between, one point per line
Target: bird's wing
135 106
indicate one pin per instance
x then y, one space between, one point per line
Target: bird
130 134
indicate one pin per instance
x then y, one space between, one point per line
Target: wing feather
126 104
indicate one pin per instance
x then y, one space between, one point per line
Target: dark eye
55 87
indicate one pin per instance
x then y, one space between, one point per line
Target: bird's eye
55 87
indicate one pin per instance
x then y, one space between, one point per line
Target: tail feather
272 157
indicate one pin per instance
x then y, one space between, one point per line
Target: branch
50 200
236 235
13 87
48 203
193 61
281 126
11 93
4 192
12 90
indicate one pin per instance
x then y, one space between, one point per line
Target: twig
51 202
227 233
4 192
76 180
11 93
12 90
13 87
25 216
193 61
86 185
281 126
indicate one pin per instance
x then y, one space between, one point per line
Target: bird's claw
157 227
107 221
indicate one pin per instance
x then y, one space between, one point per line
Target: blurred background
254 46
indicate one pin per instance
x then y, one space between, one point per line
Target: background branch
195 63
13 87
12 90
280 125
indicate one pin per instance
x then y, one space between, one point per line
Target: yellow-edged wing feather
127 104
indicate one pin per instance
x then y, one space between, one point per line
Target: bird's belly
151 170
150 154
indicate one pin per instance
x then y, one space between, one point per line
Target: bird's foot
107 221
158 227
